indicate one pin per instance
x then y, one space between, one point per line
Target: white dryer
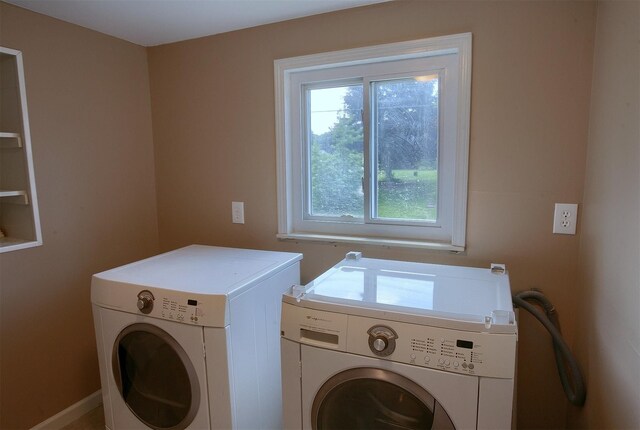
190 339
397 345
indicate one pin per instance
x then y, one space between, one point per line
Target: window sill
418 244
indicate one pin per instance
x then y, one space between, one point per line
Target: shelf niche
19 218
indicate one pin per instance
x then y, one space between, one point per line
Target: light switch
237 212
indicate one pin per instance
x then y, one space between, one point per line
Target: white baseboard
72 413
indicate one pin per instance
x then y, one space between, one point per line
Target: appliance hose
570 375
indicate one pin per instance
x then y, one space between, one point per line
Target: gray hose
564 358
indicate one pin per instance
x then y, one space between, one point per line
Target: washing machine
190 339
379 344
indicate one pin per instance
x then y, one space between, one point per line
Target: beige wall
609 345
88 99
213 124
213 113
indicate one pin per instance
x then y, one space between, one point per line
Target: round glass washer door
155 377
370 398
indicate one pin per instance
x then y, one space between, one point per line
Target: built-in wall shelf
10 140
10 243
19 218
18 196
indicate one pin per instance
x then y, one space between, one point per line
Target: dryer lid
452 293
200 269
193 285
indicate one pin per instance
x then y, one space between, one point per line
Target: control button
471 366
427 359
446 363
380 344
464 365
413 356
440 361
456 364
382 340
145 301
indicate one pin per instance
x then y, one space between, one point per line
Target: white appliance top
201 269
192 285
447 296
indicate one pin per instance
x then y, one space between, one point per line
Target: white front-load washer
378 344
190 339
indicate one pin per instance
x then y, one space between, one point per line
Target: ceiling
156 22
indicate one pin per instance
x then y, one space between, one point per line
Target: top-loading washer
190 339
398 345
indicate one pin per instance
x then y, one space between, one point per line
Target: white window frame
291 73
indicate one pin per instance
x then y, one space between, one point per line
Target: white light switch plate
237 212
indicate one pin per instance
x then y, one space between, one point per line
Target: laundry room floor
92 420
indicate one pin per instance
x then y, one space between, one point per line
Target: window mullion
369 152
306 153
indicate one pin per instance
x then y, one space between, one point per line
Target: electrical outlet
237 212
565 218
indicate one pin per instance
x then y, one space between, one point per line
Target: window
373 144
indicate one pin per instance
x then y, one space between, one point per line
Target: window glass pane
405 137
336 158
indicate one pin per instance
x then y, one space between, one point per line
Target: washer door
155 377
373 398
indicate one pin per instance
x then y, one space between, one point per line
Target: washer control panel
471 353
464 352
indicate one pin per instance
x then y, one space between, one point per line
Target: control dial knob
382 340
145 301
380 343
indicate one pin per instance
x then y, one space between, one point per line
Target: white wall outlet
237 212
565 218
